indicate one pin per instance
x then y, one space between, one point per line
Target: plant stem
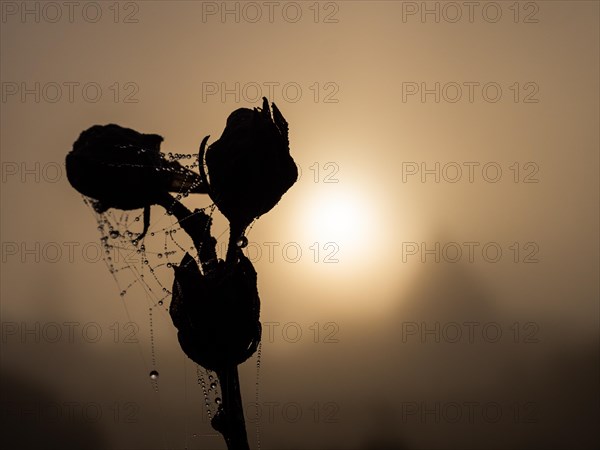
231 422
235 232
195 225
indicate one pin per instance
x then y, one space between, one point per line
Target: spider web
142 266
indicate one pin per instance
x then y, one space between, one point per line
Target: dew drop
169 265
154 375
159 255
160 302
114 234
242 242
218 400
213 385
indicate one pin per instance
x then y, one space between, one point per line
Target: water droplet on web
242 242
213 385
114 234
152 348
159 255
160 302
154 375
169 265
218 400
258 355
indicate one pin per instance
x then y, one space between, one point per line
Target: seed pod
250 166
217 314
120 168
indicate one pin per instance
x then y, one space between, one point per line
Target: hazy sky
448 154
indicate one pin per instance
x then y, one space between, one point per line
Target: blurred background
430 282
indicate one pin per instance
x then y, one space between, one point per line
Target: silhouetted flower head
216 315
250 166
121 168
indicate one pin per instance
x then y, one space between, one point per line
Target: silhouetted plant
250 166
120 168
215 307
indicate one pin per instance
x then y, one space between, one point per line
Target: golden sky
448 156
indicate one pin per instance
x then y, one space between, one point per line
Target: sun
336 216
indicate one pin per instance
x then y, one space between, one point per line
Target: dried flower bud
121 168
250 166
216 315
